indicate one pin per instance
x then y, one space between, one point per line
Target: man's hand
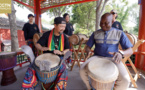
88 50
57 52
44 49
89 54
116 56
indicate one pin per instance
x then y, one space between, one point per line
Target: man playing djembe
106 42
55 42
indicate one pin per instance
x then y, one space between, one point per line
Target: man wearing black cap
54 41
30 29
116 24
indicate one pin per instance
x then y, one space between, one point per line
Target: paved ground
74 81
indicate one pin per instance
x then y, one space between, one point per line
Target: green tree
122 8
134 12
58 11
87 15
100 6
84 15
126 12
136 28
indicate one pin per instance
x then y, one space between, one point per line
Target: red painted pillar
141 60
37 13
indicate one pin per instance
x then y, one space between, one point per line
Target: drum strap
51 43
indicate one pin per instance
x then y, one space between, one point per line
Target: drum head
84 37
102 70
4 55
74 39
7 53
53 59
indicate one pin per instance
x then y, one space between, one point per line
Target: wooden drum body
7 63
131 37
36 37
103 72
75 39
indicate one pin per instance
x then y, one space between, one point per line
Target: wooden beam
141 34
24 4
37 13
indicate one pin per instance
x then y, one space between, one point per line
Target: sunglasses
113 13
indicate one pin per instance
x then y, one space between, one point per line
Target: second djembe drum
7 63
104 72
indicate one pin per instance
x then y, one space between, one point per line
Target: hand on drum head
57 52
44 49
117 57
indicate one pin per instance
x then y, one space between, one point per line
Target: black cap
59 20
30 15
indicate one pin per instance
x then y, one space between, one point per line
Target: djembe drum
104 72
50 64
76 38
7 63
36 37
132 38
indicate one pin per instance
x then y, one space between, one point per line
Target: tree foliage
122 8
58 11
87 15
99 11
84 16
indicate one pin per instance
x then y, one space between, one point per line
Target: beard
61 32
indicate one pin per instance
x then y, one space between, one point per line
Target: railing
22 59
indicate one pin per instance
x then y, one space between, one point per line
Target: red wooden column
141 59
37 12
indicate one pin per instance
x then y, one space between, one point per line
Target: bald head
107 15
106 21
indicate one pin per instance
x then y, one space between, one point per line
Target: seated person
106 42
55 42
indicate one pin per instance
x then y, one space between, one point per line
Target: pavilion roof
47 4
